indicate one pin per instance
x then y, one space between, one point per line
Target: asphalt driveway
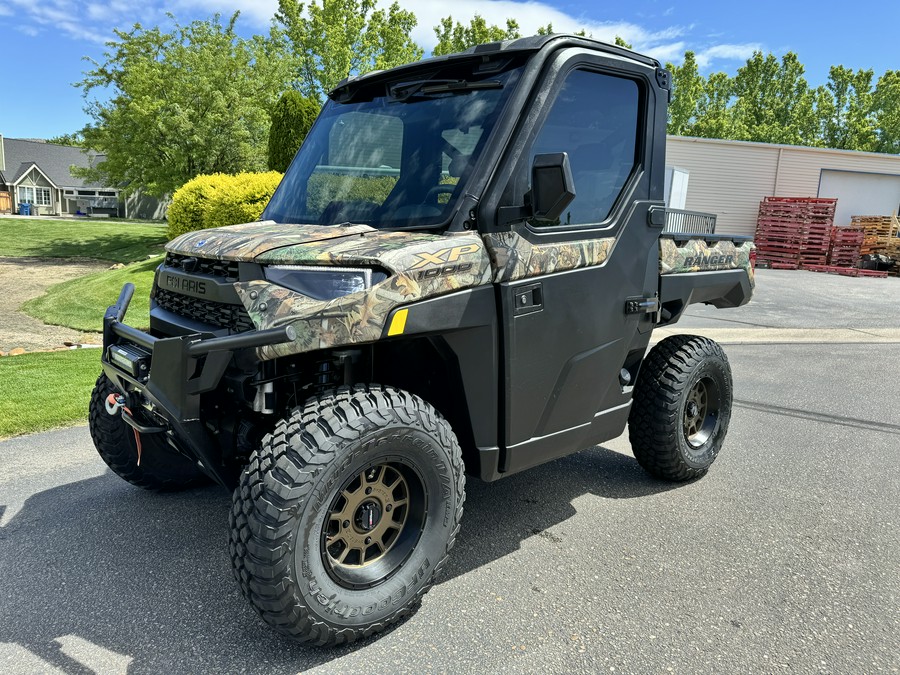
783 559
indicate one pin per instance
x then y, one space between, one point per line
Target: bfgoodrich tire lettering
292 487
682 407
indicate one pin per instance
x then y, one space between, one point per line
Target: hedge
325 188
217 200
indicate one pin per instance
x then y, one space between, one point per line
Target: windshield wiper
422 88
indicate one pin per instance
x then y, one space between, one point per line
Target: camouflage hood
245 242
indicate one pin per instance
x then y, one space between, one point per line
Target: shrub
190 201
242 200
325 188
216 200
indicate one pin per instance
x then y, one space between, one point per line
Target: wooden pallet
845 246
845 271
794 231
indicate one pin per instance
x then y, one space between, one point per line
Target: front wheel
681 408
346 514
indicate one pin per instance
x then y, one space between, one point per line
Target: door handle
528 299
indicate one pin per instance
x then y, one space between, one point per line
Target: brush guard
171 374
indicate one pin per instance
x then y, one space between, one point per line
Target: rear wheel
682 407
161 468
346 514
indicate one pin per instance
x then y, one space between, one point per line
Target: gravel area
24 278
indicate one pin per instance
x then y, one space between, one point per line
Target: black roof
532 43
53 160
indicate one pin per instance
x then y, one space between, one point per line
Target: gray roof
53 160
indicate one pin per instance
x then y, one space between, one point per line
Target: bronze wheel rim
373 524
701 412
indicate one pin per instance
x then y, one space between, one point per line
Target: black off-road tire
162 469
682 407
283 513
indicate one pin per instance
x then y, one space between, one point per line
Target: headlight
321 282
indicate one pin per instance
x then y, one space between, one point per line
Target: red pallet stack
794 231
845 246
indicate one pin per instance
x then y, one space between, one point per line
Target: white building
730 178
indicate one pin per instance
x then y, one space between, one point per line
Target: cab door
573 293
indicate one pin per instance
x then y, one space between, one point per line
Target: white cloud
727 52
529 14
68 17
665 44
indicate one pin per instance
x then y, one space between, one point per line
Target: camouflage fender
422 266
514 257
696 255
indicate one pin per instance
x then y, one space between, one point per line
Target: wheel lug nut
368 491
346 523
368 540
388 507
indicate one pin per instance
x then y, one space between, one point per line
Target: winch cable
115 402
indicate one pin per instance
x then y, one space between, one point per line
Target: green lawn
80 303
47 238
46 390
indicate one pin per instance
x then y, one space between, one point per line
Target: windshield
396 155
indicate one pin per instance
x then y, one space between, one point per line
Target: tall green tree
773 102
334 39
715 115
292 119
191 100
847 114
886 109
687 89
454 36
75 139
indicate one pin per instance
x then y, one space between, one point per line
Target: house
38 173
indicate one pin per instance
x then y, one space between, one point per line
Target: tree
846 110
292 119
714 114
886 107
189 101
75 139
454 36
774 103
342 38
687 89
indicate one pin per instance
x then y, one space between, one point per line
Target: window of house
34 195
595 120
103 193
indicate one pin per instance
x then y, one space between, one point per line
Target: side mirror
552 187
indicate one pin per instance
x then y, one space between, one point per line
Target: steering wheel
431 197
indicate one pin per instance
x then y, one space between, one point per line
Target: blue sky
45 40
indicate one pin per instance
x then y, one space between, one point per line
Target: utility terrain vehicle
459 273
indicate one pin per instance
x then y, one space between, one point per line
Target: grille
233 317
226 269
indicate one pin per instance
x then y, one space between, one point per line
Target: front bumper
176 372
